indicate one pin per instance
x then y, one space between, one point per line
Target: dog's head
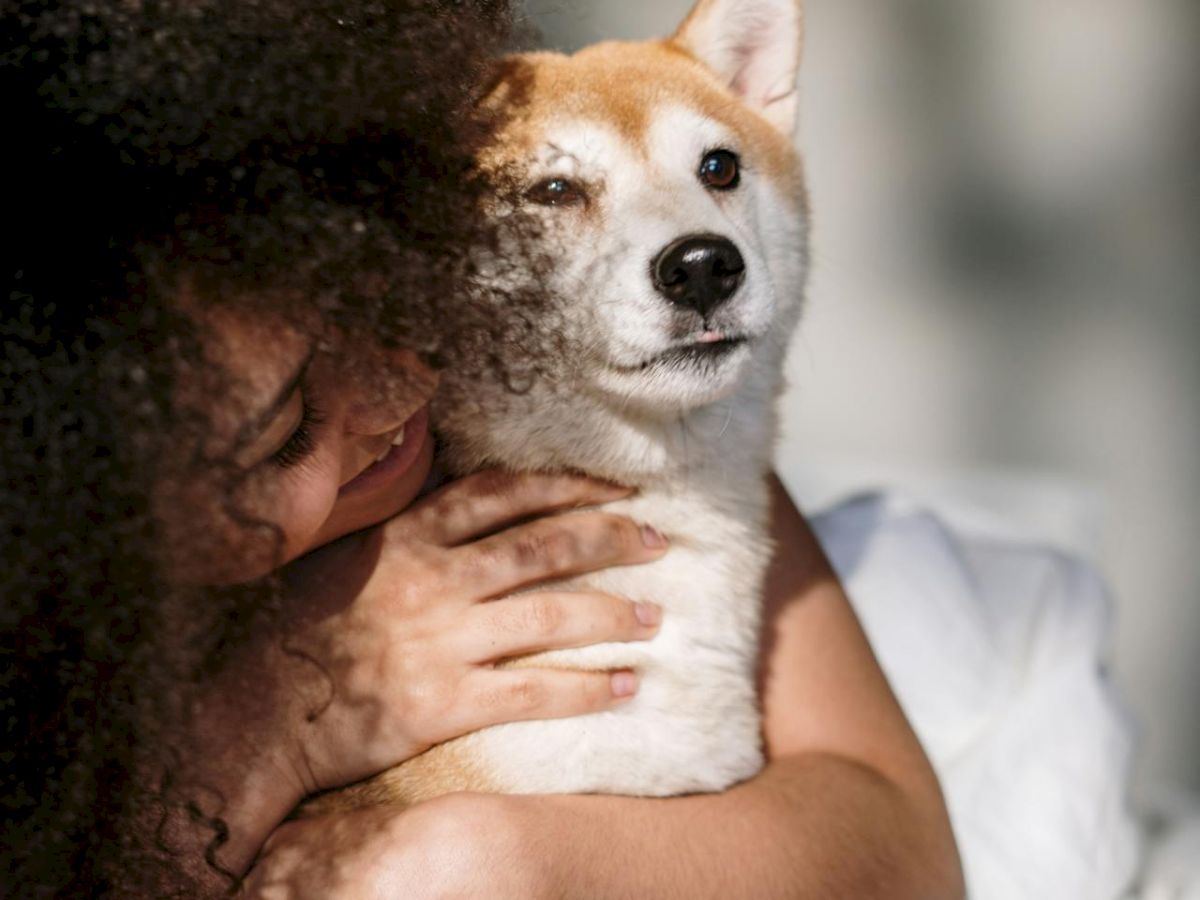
670 202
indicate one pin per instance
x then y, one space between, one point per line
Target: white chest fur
694 725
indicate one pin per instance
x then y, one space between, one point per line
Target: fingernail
653 538
624 684
648 613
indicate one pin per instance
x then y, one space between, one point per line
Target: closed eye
301 443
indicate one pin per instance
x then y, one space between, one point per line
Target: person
242 235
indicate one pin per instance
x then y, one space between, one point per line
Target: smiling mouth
396 458
396 441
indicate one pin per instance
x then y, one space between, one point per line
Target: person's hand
388 640
405 628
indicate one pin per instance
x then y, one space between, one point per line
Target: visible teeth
396 442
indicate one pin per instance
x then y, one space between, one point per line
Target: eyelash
300 444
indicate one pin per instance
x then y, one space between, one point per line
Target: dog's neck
721 445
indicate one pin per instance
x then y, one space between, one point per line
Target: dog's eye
720 170
556 192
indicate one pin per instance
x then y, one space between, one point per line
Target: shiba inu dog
672 204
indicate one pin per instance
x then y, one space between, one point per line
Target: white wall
1006 284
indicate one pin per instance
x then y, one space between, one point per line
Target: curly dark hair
298 156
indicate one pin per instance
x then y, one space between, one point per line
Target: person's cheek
308 498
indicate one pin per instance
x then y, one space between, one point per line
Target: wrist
259 801
241 766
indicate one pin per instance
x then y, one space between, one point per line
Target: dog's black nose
699 272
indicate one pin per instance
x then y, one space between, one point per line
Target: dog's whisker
728 419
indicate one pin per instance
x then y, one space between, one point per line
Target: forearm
811 825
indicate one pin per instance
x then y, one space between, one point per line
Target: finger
486 502
493 696
553 620
555 547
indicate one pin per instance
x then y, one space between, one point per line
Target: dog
672 202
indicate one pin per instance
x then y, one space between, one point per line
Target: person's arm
847 805
387 646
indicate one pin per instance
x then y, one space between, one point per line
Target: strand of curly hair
260 148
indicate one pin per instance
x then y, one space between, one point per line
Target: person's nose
374 416
380 406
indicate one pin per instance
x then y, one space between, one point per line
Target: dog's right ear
753 46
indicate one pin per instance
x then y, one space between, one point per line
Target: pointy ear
753 46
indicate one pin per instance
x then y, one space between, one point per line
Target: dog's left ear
754 47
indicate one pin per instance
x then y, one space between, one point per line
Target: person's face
317 449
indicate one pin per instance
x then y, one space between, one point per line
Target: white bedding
994 648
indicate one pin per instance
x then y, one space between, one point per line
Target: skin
847 806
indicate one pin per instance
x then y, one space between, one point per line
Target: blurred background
1005 298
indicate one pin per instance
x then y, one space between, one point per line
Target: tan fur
422 778
623 84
